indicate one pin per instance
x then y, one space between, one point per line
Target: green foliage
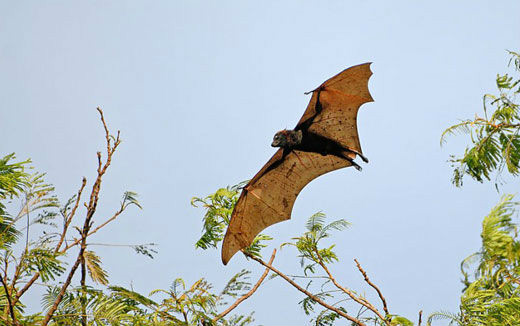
315 261
257 245
146 249
219 207
492 296
400 321
12 177
492 276
198 305
326 318
94 268
454 319
237 284
38 195
13 180
130 198
495 139
44 261
41 259
187 305
101 308
24 259
307 244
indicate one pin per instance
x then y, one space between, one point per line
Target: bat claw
363 158
357 166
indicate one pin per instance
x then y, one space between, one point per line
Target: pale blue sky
198 88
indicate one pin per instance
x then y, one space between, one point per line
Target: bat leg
354 164
350 159
363 157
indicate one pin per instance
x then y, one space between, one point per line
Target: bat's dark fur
303 140
307 141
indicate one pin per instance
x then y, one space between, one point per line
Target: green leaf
95 271
495 141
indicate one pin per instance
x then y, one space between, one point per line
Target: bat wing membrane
269 197
340 99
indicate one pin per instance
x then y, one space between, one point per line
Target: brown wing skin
340 98
269 197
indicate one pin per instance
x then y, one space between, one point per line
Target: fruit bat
325 139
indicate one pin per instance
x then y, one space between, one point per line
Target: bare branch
100 163
91 209
68 219
385 307
307 293
420 318
107 133
250 293
352 295
77 241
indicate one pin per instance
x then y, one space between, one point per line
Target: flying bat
325 139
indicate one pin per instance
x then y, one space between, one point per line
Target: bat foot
363 158
357 166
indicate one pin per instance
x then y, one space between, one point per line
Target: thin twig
420 318
68 218
354 297
77 241
248 294
385 307
27 231
307 293
308 277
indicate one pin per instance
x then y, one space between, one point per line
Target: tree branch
77 241
307 293
91 209
68 219
64 287
83 299
385 307
250 293
353 296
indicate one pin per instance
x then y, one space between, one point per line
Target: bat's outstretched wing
269 197
340 99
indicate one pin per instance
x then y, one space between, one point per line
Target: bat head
287 138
